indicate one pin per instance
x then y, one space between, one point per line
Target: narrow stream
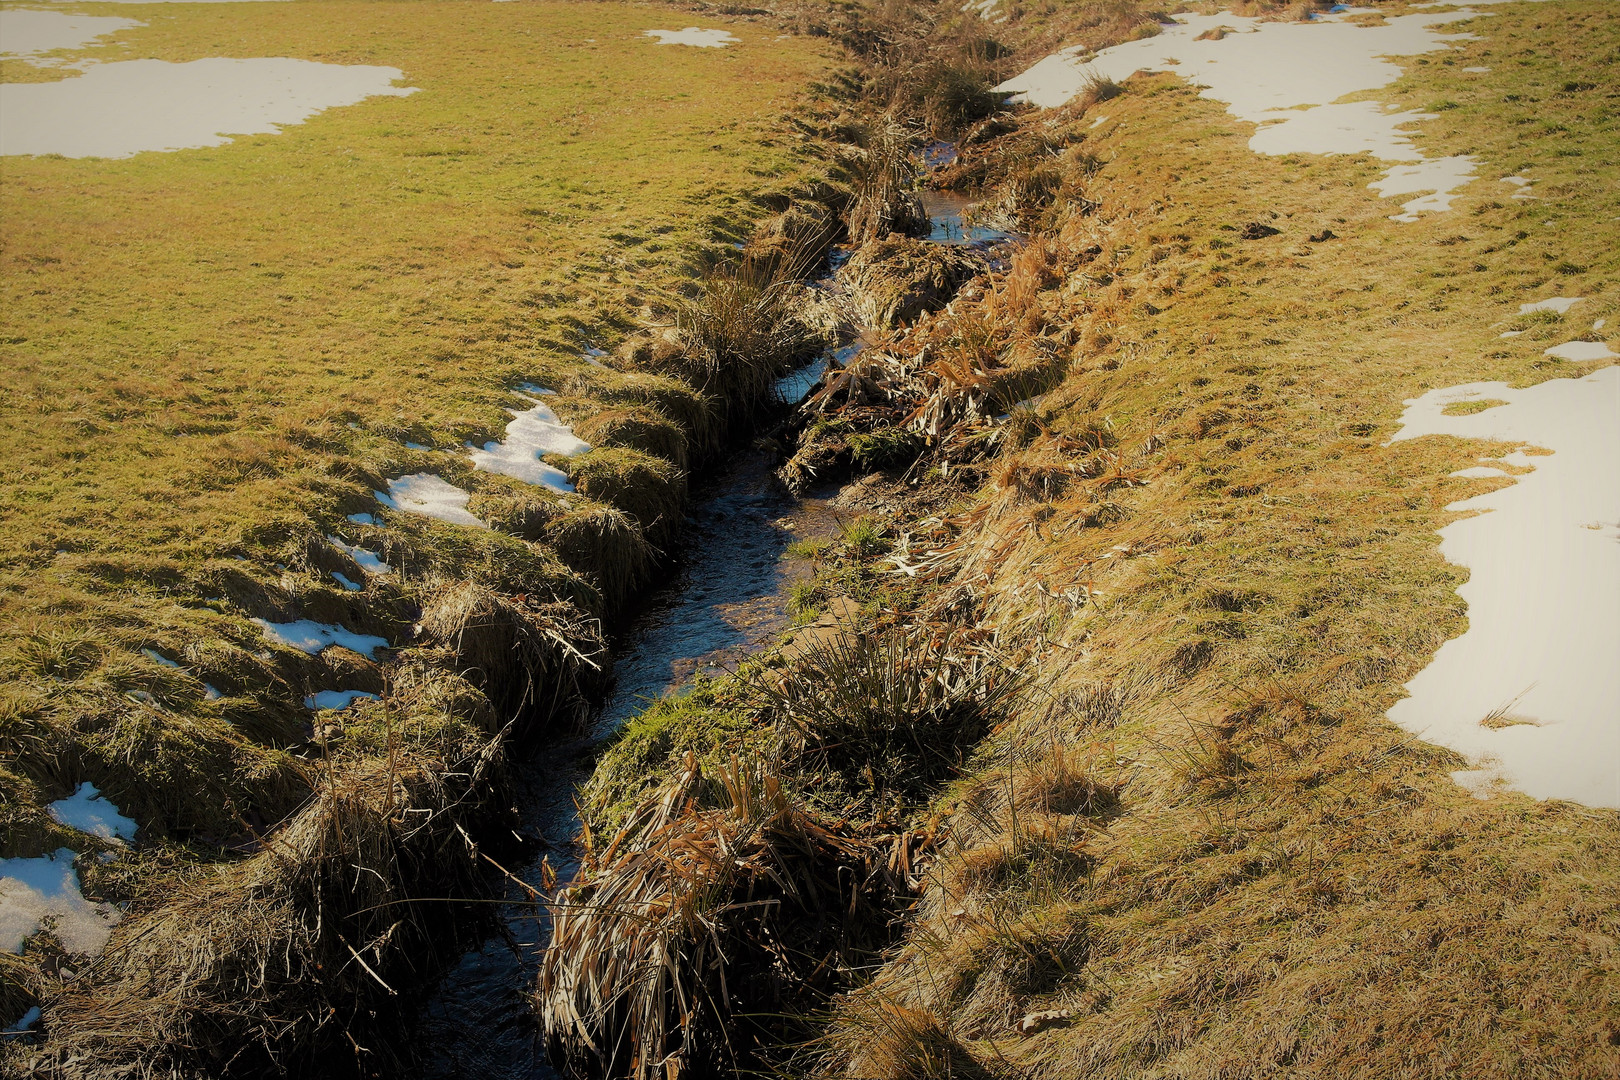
725 599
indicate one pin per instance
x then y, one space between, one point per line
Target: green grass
211 356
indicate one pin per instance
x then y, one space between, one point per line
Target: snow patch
367 560
532 433
431 496
1531 691
1285 77
1559 304
88 811
118 110
1580 350
45 892
692 35
24 34
352 586
307 635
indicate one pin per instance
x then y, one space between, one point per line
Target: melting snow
1284 76
1559 304
692 35
309 636
336 700
352 586
25 34
431 496
1531 691
1580 350
46 890
367 560
532 433
87 811
120 109
364 519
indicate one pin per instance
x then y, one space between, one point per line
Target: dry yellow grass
1280 882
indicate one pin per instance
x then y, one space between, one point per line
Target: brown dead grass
1276 881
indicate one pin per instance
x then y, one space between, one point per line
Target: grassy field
212 356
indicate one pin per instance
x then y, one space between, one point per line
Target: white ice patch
364 519
1580 350
532 433
120 109
431 496
1284 76
692 35
158 658
352 586
1559 304
1442 177
309 636
1510 333
1543 556
25 34
336 700
367 560
45 892
87 811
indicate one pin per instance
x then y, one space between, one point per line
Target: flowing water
724 600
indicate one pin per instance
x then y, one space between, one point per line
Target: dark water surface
723 600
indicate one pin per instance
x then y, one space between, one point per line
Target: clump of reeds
534 658
741 331
262 966
721 909
893 712
606 546
649 489
884 179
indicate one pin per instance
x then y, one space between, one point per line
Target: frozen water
1530 693
431 496
352 586
336 700
158 658
26 33
1286 77
364 519
367 560
87 811
120 109
1580 350
532 433
34 891
692 35
1559 304
1439 176
309 636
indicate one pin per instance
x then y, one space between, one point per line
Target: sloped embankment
1201 848
1188 840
